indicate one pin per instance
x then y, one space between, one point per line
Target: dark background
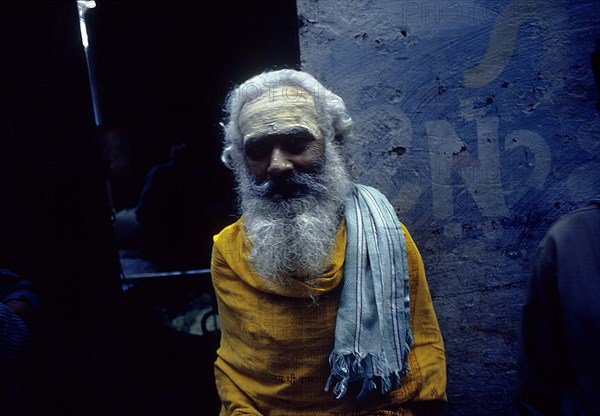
162 72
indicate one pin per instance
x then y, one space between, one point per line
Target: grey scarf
372 334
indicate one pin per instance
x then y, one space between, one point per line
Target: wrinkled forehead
281 109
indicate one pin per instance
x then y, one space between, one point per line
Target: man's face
281 137
292 188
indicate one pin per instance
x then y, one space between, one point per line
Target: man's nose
279 164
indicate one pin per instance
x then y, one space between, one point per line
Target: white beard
293 237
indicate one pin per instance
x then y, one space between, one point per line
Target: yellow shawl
275 342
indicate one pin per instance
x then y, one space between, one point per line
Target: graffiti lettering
481 174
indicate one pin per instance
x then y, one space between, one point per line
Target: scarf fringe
340 370
372 371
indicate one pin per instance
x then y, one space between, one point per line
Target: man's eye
295 145
257 151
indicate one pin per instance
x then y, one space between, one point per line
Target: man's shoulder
581 221
231 231
228 246
589 214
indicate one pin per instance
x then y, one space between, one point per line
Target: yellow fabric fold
275 342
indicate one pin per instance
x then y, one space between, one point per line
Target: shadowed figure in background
322 295
179 210
559 362
18 303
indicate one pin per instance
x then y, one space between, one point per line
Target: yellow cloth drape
275 342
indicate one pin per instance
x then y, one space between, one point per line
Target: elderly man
324 305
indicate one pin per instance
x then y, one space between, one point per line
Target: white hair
332 117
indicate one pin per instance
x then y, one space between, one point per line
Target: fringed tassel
357 365
340 370
396 379
340 388
368 385
386 384
350 368
405 351
340 365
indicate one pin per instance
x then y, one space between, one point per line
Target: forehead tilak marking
272 112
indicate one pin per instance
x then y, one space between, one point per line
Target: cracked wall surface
477 119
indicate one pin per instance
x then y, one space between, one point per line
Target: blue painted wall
477 120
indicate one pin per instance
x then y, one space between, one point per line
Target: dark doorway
162 71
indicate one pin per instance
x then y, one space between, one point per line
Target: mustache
293 185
